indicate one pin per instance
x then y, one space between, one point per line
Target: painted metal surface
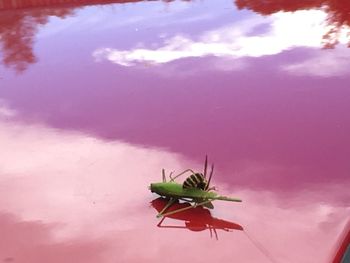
96 98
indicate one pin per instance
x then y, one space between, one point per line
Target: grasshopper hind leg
170 203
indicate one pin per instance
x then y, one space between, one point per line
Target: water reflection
21 19
66 196
196 219
17 34
21 4
79 172
252 37
338 12
33 241
262 129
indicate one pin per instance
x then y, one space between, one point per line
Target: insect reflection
196 219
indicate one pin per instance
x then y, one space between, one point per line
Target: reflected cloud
286 31
264 130
20 22
338 14
32 241
327 22
45 170
323 64
71 194
5 111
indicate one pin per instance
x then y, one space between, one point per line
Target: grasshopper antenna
205 166
163 176
211 174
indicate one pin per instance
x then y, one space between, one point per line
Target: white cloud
286 31
43 170
327 63
5 111
92 188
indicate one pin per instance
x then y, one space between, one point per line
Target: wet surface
96 97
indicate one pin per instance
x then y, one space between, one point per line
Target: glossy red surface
96 97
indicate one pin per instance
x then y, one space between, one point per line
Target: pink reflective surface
96 97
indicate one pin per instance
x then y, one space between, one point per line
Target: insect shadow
196 219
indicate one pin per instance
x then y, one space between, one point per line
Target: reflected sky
109 94
69 193
17 34
311 23
240 39
337 11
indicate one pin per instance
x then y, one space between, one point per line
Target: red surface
96 99
343 246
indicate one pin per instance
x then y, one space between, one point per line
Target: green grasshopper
195 189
